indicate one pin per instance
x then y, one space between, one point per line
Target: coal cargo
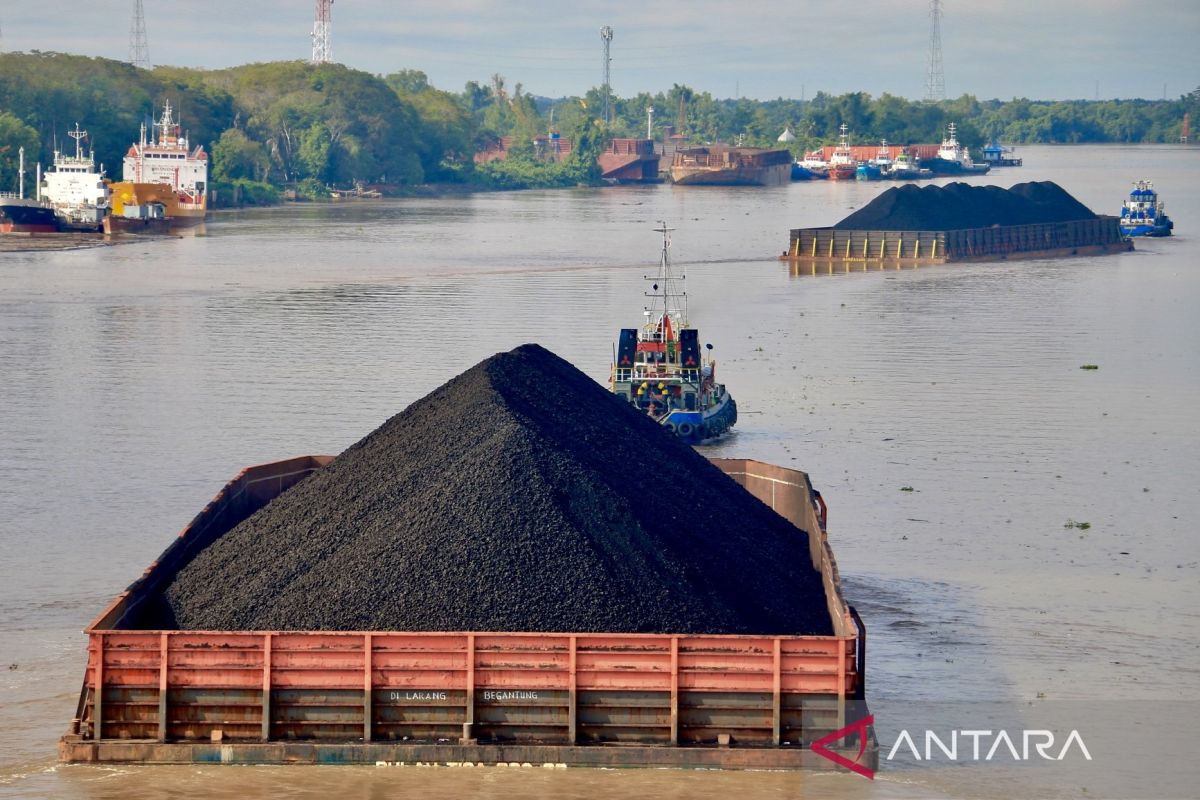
912 225
957 206
519 496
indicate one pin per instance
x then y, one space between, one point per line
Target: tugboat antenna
664 287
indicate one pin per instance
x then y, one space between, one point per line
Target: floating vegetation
1090 366
1083 526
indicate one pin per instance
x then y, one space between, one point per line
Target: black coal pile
956 206
519 496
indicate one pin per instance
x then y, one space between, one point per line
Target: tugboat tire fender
670 426
685 429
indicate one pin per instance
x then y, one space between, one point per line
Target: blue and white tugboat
1143 214
661 369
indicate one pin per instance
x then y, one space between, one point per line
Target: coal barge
911 226
462 690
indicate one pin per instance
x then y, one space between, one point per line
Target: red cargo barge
477 698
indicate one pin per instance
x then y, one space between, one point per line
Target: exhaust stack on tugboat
660 368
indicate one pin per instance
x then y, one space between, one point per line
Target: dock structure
849 248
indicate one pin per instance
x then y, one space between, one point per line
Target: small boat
660 369
1143 214
803 173
877 167
907 168
997 155
842 165
868 171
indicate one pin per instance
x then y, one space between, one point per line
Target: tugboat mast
667 290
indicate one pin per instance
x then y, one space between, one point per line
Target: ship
1143 214
813 166
21 214
167 171
75 189
954 159
842 165
723 165
660 369
25 215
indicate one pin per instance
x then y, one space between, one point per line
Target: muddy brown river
1018 533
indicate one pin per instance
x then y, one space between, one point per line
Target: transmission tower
606 34
935 77
139 51
322 28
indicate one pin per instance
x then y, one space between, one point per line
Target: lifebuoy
685 429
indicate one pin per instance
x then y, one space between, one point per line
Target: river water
942 412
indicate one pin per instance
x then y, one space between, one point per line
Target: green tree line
308 127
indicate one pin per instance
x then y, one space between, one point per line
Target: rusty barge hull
731 166
458 755
362 697
733 176
834 246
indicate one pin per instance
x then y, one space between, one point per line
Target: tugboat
954 159
660 369
907 168
1143 214
842 165
877 167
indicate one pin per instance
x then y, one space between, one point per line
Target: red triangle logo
820 746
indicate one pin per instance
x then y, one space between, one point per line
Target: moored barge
722 165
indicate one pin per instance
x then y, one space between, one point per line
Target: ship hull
129 225
1161 229
841 172
179 212
26 217
770 175
695 427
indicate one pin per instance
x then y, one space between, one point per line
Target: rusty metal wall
825 245
492 687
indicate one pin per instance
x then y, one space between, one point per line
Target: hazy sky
1051 49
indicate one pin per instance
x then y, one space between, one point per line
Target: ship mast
668 299
78 136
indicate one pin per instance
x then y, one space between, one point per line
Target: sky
1046 50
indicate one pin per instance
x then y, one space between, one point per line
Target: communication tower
139 51
935 77
322 52
606 35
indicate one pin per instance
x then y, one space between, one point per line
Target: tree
236 156
15 134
